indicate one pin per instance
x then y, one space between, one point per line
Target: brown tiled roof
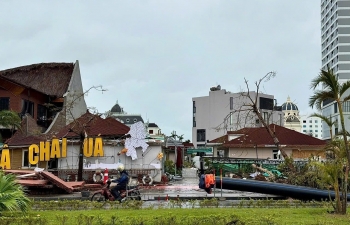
48 78
28 134
261 137
186 144
94 126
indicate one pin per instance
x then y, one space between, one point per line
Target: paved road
185 189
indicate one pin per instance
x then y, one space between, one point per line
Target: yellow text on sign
46 151
5 162
93 147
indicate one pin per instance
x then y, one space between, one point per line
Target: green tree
335 91
12 195
334 171
9 119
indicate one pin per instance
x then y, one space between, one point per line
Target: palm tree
12 196
335 91
9 119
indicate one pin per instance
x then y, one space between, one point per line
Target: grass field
174 216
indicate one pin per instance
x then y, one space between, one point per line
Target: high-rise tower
335 36
335 39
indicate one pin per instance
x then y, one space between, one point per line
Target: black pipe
292 191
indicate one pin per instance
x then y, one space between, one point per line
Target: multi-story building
335 39
47 97
153 131
119 114
312 126
335 36
224 111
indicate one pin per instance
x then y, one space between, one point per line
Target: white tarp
137 139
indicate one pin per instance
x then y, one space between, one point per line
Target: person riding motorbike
122 182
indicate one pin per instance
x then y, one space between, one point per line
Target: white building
154 133
335 36
224 111
311 126
335 39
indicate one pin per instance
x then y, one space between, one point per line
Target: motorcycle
131 192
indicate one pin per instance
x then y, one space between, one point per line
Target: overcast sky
154 56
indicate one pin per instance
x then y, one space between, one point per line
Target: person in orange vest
209 182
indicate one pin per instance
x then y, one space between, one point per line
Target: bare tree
78 127
255 109
248 111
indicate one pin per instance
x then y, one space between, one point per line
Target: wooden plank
57 181
32 183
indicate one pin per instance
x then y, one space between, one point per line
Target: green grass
174 216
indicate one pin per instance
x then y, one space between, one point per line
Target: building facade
224 111
50 93
311 126
335 36
291 115
118 113
256 143
335 40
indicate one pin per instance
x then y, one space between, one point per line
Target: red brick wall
16 100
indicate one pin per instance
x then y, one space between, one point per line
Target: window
4 104
135 120
25 161
316 121
276 154
231 103
150 131
266 103
304 131
310 125
304 125
266 117
316 125
201 135
281 120
194 114
231 118
127 120
335 107
310 121
27 107
42 113
304 121
52 163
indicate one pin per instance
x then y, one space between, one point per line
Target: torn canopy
137 139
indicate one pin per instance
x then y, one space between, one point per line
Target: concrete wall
74 103
264 153
145 161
